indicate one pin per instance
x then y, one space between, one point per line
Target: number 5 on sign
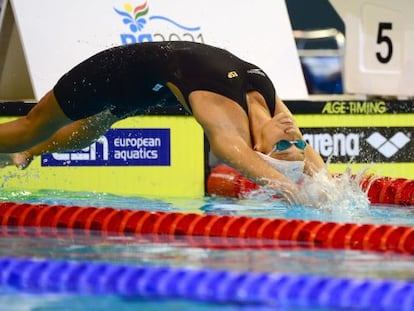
387 40
379 46
382 38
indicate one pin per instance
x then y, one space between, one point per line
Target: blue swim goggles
282 145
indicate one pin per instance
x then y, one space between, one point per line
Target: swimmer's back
131 79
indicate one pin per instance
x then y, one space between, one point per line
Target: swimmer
234 101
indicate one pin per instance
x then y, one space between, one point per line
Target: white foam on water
340 193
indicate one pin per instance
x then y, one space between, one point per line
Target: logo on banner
354 107
388 147
343 144
137 19
334 144
119 147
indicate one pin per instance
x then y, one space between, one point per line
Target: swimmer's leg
73 136
38 125
19 159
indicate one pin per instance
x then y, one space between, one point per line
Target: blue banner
119 147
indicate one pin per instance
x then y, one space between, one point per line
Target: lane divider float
309 233
43 276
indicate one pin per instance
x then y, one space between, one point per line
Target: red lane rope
300 232
226 181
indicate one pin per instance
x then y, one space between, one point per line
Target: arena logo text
334 144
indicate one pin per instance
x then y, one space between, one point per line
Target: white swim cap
291 169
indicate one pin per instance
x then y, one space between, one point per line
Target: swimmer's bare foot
21 159
5 160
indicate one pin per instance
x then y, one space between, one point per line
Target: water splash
340 193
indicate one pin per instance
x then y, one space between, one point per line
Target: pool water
193 252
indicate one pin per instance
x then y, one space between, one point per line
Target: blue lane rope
218 286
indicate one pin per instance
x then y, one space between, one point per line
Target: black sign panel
362 145
346 107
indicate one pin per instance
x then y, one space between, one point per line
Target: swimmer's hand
307 192
318 190
21 159
287 191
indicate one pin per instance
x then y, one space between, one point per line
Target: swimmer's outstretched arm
76 135
313 161
227 128
266 129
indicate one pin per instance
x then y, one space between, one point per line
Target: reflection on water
202 252
79 198
189 251
28 302
375 214
193 252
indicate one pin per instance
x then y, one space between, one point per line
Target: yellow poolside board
183 178
355 120
394 170
362 126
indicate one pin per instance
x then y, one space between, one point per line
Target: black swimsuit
131 79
